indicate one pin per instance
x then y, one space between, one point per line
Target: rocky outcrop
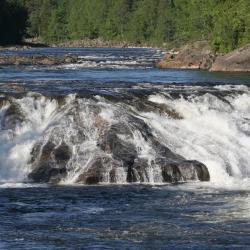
116 157
36 60
199 56
195 55
49 162
175 172
238 60
13 116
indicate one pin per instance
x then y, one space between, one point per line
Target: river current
198 115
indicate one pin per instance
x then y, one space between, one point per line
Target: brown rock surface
237 60
36 60
195 55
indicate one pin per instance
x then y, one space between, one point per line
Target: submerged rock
162 109
101 170
13 116
49 162
174 172
122 151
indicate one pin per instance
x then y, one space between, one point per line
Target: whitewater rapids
207 124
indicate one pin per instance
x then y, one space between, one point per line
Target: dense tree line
225 23
13 17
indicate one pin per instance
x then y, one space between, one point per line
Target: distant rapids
144 134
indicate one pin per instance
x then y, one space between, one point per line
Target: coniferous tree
224 23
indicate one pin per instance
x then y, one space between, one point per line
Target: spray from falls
171 134
214 129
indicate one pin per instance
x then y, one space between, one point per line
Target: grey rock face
13 116
235 61
98 151
49 162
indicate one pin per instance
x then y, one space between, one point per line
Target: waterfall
164 135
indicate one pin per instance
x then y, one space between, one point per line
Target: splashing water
214 130
212 127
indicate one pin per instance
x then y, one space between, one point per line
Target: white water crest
212 128
17 142
113 62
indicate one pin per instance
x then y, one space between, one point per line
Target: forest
13 22
224 23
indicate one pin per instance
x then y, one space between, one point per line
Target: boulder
237 60
195 55
161 108
13 116
116 157
120 149
139 172
101 169
49 162
174 172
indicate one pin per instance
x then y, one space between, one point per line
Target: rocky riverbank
198 55
195 55
36 60
191 56
238 60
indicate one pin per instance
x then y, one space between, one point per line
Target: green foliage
224 23
231 28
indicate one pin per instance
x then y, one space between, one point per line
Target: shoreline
199 56
196 55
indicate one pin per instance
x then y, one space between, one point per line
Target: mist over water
70 108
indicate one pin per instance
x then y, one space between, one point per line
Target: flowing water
197 115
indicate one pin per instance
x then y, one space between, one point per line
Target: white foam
212 132
17 143
21 185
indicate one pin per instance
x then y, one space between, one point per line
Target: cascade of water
214 130
71 139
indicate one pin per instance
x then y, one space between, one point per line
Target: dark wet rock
116 156
13 116
49 162
121 149
62 153
164 152
174 172
47 173
61 100
3 101
162 109
159 148
138 124
35 153
139 171
101 169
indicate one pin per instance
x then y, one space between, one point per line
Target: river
55 119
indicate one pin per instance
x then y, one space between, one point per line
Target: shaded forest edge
159 23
